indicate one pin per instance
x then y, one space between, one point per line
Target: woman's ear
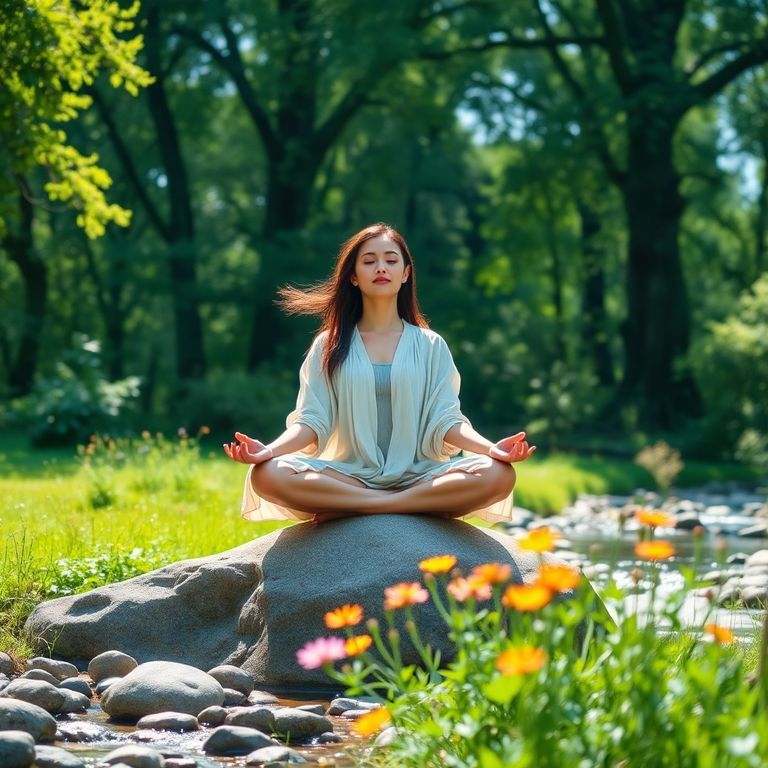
406 273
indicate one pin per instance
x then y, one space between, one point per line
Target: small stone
318 709
236 740
341 704
294 724
55 757
35 692
82 731
76 684
212 716
261 697
687 521
74 701
40 674
329 737
386 737
231 676
759 558
169 721
180 762
111 664
756 531
17 749
61 670
6 664
102 685
718 510
739 558
261 718
135 756
233 698
755 597
353 714
267 755
716 577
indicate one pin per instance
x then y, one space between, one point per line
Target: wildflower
181 432
358 644
321 651
491 573
558 578
521 661
654 550
371 722
526 597
438 564
539 540
145 435
463 589
654 518
205 430
345 616
404 593
721 635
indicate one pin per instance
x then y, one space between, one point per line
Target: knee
265 479
501 477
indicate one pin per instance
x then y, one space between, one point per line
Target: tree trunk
34 273
594 318
657 328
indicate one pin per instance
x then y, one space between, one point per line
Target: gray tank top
382 375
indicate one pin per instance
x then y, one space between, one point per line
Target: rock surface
240 607
111 664
17 749
162 686
16 715
236 740
55 757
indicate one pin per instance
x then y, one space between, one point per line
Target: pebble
169 721
687 521
36 692
17 749
180 762
353 714
233 740
386 737
76 684
261 718
135 756
212 716
759 558
111 664
234 698
755 597
61 670
82 731
74 701
55 757
329 737
262 697
756 531
318 709
102 685
738 558
271 755
342 704
6 664
294 724
231 676
40 674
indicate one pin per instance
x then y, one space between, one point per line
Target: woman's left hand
511 449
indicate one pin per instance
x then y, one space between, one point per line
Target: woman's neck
380 318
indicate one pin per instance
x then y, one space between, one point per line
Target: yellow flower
345 616
521 661
404 593
462 589
491 573
358 644
654 550
722 635
654 518
371 722
438 564
539 540
558 578
526 597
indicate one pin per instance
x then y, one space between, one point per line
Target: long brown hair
340 304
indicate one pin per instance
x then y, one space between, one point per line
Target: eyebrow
373 253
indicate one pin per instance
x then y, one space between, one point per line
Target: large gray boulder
254 606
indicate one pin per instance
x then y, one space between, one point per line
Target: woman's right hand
247 450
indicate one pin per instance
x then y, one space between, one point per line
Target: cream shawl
342 413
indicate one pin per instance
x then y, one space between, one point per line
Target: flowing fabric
342 413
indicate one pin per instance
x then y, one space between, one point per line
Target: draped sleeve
442 408
316 401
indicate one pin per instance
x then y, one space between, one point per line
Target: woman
378 408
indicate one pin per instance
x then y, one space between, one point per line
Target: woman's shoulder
427 336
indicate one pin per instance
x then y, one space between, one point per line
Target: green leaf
503 689
489 759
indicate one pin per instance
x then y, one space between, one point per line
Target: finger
227 450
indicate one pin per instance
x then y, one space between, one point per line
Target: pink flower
321 651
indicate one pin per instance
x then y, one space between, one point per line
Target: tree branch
508 41
616 43
758 54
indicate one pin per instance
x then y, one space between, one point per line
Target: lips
381 280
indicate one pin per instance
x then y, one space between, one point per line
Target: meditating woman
377 423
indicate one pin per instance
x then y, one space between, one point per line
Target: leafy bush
546 682
76 400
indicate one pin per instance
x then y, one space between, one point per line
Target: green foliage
76 400
50 53
562 685
731 364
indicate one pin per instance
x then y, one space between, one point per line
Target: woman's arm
463 436
508 449
248 450
297 437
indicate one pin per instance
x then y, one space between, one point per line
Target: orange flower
346 616
558 578
722 635
358 644
404 593
654 550
654 518
491 573
526 597
371 721
463 589
438 564
539 540
521 661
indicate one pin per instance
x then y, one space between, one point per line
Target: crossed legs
332 494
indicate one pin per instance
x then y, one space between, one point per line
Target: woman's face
379 267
